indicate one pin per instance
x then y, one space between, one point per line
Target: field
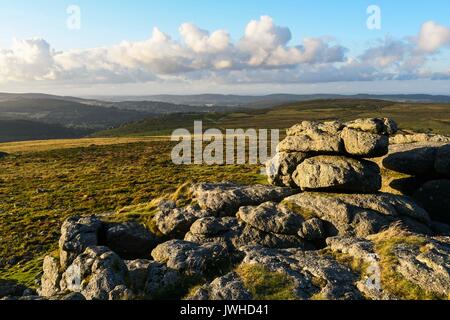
433 118
44 182
39 189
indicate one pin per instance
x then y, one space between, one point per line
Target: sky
84 47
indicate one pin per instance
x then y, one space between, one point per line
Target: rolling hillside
418 117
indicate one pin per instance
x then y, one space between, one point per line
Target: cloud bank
264 54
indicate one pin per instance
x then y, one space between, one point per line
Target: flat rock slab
226 198
191 258
233 234
317 142
360 214
337 173
310 272
382 126
272 218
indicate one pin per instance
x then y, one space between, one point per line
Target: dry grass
48 145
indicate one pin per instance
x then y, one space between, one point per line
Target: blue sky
108 22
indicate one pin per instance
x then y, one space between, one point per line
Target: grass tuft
264 284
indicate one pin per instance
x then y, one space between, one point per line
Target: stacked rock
330 156
429 168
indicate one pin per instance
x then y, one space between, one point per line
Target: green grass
264 284
38 190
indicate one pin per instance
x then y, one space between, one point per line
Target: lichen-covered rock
434 196
331 127
228 287
312 141
358 214
176 222
253 236
234 234
226 198
192 259
362 251
337 173
365 144
77 234
138 274
130 240
150 279
272 218
280 168
406 138
95 273
160 280
427 266
50 278
312 274
120 293
442 161
382 126
312 229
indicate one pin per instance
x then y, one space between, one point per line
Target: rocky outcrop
360 215
95 273
406 138
364 144
420 160
226 198
77 234
176 222
229 287
272 218
336 173
192 259
281 167
51 277
322 232
326 155
311 273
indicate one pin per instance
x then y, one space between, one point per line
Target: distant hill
272 99
22 130
144 114
66 113
421 117
73 116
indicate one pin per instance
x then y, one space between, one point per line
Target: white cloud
27 59
264 54
433 37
